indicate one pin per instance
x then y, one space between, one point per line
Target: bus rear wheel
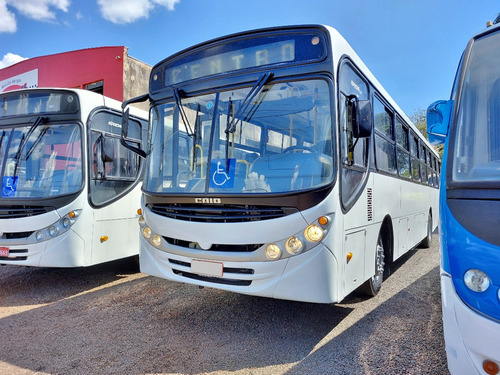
426 242
372 286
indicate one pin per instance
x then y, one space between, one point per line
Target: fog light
53 231
294 245
273 251
156 240
39 236
142 221
476 280
490 367
314 233
66 222
146 232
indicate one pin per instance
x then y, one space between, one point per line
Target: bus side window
403 149
354 151
114 169
384 137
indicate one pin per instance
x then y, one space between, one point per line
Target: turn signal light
104 239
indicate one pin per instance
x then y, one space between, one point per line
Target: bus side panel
116 232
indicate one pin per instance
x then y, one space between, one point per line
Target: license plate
4 251
208 268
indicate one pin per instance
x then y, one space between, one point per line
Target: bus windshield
40 159
272 138
478 120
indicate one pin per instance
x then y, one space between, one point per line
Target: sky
411 46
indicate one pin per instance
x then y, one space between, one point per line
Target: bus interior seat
288 171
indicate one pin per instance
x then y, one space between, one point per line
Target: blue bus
469 126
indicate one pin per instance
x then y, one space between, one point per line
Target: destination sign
235 55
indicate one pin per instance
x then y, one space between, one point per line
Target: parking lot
112 319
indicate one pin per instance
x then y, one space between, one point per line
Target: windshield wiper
182 113
24 140
254 91
196 136
36 142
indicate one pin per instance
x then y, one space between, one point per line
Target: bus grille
217 213
14 212
215 280
215 247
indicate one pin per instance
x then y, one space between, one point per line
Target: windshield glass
42 163
278 140
477 144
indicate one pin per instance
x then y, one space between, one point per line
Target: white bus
70 190
278 166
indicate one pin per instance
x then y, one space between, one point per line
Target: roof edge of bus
238 34
106 100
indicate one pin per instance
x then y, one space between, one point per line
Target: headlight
66 222
146 232
142 221
294 245
53 231
39 236
313 233
273 251
476 280
156 240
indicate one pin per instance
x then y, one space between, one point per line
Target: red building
106 70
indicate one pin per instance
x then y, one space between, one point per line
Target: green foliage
419 118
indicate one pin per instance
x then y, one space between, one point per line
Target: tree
419 118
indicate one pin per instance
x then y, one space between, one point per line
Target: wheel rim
379 265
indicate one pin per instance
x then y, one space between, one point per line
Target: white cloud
40 10
128 11
79 16
10 59
7 19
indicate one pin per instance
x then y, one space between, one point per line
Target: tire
426 242
372 286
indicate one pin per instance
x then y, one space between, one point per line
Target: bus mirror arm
125 119
438 120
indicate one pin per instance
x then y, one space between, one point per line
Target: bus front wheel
372 286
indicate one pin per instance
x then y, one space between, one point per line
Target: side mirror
438 120
125 124
361 112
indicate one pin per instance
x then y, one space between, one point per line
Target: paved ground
111 319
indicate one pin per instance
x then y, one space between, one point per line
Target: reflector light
490 367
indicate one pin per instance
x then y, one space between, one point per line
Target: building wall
122 76
135 79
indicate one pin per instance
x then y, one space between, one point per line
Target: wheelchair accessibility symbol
220 177
9 186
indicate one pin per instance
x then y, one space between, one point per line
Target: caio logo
208 200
